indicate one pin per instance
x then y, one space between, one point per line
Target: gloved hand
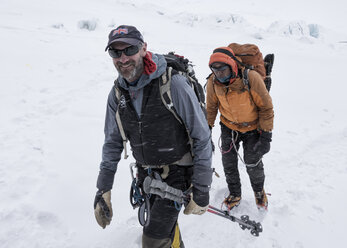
263 144
103 208
198 203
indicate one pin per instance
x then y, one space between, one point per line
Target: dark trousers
163 212
230 159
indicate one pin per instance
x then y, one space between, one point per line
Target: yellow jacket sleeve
262 100
211 102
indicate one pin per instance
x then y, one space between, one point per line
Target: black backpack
179 64
268 63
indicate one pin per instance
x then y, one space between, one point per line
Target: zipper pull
140 126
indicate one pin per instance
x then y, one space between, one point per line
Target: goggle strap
230 54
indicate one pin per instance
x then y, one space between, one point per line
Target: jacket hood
225 55
160 62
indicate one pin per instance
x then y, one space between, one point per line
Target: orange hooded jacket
240 109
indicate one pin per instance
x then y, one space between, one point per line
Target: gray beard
134 74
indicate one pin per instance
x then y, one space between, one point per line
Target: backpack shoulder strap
119 123
245 79
165 94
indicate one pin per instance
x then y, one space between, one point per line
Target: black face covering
224 80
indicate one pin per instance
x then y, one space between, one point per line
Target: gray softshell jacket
187 107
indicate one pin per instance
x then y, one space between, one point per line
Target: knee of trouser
175 241
148 242
256 171
230 164
229 157
251 157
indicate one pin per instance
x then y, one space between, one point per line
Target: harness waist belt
244 124
186 160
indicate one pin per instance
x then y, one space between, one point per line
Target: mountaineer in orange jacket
246 114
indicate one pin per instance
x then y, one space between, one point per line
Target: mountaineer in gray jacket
157 139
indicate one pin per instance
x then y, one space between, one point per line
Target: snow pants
163 230
230 159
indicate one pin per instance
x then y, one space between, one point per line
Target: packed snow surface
54 81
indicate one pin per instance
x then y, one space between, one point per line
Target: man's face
129 67
221 70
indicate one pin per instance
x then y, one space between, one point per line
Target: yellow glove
193 208
198 199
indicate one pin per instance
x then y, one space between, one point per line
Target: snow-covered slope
54 81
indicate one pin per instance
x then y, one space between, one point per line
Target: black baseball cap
126 34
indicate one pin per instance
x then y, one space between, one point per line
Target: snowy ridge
54 81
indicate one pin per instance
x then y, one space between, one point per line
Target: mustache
125 64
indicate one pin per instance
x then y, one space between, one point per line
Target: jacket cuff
202 188
266 136
105 180
201 198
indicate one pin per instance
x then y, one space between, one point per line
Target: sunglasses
129 51
216 69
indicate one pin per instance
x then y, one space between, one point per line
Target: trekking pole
157 187
244 222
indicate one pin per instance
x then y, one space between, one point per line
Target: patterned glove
103 208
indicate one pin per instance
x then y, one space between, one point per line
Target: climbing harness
233 145
139 199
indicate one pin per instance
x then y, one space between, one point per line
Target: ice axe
158 187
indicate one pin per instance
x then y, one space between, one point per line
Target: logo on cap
120 31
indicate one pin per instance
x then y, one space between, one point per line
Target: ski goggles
217 69
129 51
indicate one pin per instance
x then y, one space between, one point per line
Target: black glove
263 144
